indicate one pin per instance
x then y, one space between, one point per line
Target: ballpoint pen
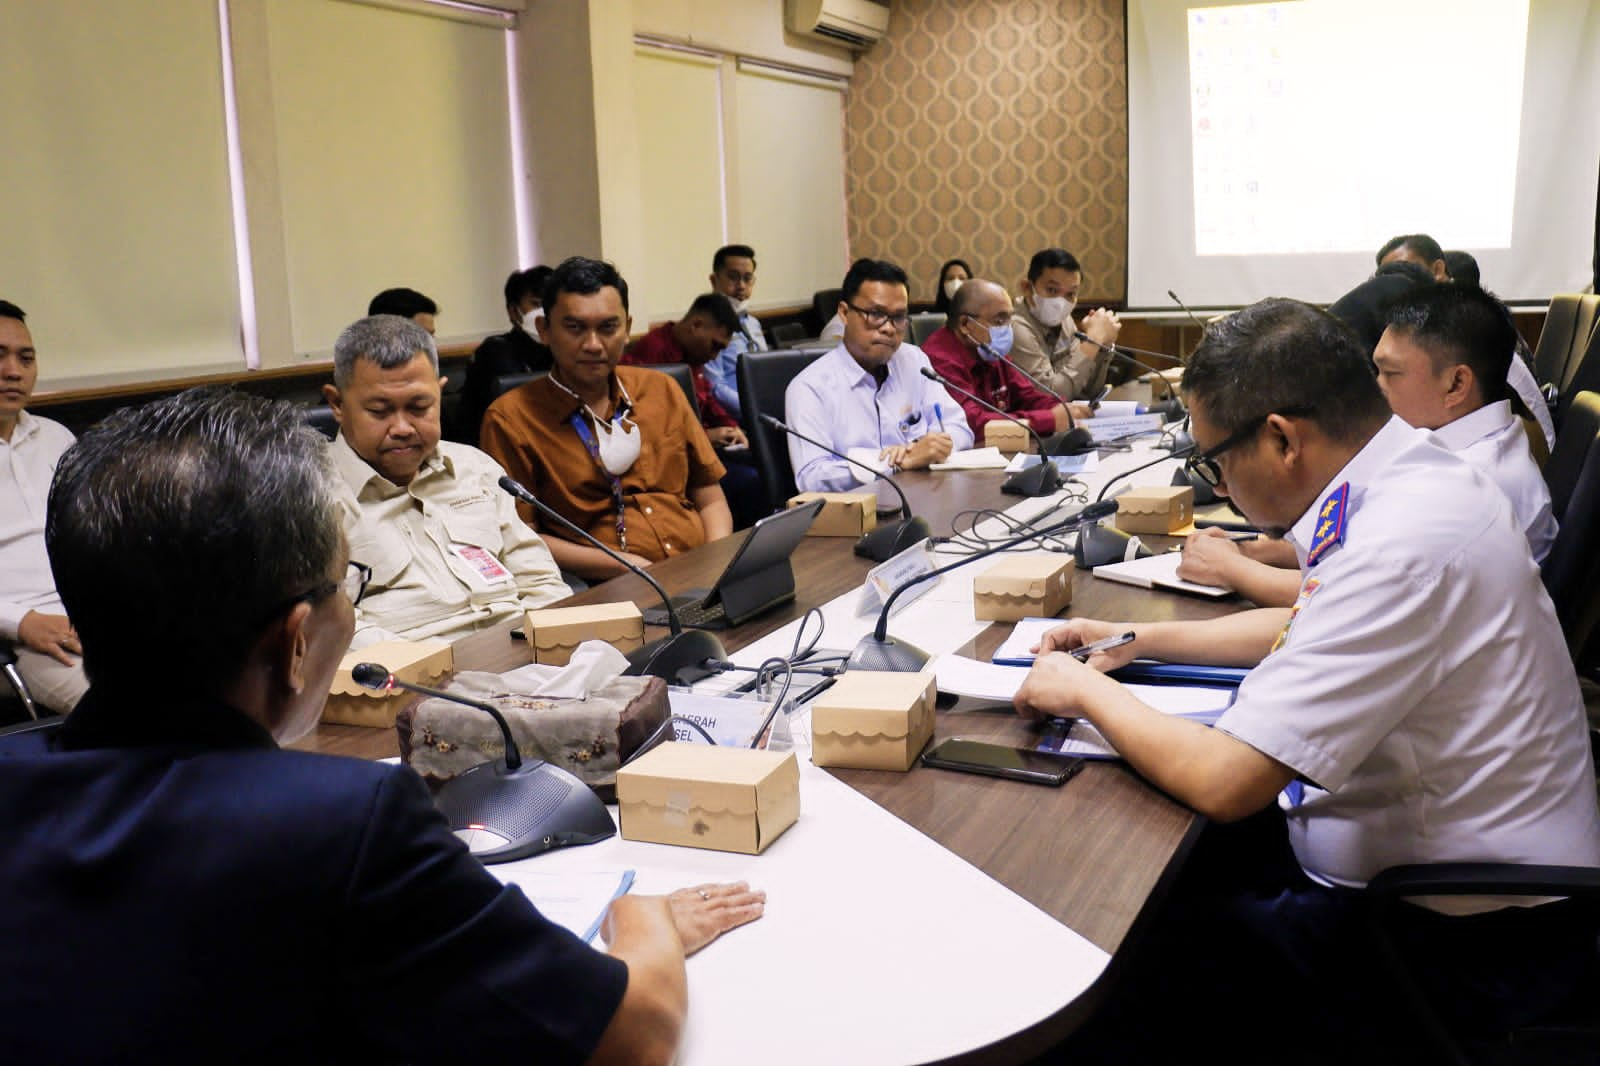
1087 650
938 414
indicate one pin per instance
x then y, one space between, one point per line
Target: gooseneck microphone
1175 409
1041 480
678 659
1177 453
507 809
1098 545
878 651
1192 316
1076 440
884 542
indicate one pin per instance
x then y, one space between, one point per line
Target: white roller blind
394 161
680 162
791 183
114 194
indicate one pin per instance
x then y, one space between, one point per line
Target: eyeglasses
353 585
876 317
1204 465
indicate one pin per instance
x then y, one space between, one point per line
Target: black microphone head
1097 510
514 487
1075 441
931 374
370 675
768 420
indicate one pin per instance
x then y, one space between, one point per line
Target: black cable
772 712
822 626
650 741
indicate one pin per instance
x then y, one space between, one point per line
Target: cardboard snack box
843 514
1155 509
421 662
699 796
1009 437
554 633
1024 586
871 720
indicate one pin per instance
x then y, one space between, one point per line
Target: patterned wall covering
988 129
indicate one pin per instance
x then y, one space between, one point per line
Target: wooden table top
1091 854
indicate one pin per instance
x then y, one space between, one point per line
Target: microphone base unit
679 659
1100 545
885 542
504 815
1041 480
886 656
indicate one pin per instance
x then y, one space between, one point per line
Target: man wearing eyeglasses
971 349
176 877
448 552
868 394
1416 705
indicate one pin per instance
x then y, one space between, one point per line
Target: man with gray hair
448 552
203 889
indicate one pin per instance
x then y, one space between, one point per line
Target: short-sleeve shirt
448 552
529 431
1422 687
1492 439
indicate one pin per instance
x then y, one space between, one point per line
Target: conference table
1094 856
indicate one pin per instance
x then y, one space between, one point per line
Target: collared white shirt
1492 439
1423 683
835 401
1522 382
424 585
27 463
723 369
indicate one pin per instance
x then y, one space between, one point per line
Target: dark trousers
1252 959
747 498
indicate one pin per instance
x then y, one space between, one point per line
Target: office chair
320 418
824 305
1583 370
683 374
1571 571
1556 339
504 383
924 324
1571 1037
21 702
763 379
785 335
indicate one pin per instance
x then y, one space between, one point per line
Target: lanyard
586 435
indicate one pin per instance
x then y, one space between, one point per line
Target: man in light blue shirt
733 274
869 391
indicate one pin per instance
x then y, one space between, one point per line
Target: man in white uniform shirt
31 614
448 552
1415 706
869 392
1441 365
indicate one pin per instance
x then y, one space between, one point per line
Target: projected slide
1327 125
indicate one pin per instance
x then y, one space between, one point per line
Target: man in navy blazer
176 888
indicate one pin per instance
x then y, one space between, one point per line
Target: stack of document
973 459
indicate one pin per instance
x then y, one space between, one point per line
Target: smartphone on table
998 760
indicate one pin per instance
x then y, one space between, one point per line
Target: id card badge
481 563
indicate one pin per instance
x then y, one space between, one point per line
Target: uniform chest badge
1331 520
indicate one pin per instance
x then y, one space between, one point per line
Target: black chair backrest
683 374
786 334
1577 433
824 305
1572 569
320 418
506 382
1583 370
763 379
1556 339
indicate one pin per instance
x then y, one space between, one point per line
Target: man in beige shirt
1044 344
448 553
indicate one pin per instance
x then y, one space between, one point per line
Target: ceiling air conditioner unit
853 23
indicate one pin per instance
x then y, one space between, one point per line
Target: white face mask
1051 311
619 443
950 288
739 306
529 319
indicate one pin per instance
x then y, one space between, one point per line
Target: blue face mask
999 345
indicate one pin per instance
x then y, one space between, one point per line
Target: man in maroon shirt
696 339
970 350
